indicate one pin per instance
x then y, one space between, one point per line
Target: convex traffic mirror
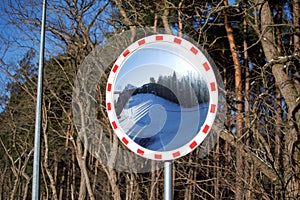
162 97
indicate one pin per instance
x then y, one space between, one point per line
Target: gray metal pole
38 116
168 179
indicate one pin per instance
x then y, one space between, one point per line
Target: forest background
255 45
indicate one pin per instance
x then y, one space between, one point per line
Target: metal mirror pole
38 116
168 180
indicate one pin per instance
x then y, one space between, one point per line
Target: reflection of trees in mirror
188 91
158 90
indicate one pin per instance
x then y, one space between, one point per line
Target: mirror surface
161 100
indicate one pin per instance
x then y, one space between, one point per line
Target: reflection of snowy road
130 116
158 124
133 120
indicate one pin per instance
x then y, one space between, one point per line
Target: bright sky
14 43
232 2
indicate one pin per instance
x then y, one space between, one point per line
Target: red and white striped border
200 61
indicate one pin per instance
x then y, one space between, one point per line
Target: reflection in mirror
160 103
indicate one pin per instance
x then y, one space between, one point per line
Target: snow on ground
158 124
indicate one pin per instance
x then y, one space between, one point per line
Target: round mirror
162 97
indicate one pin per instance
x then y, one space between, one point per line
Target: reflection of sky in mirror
141 75
152 61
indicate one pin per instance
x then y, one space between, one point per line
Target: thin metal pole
38 116
168 179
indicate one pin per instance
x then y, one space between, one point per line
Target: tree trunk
239 105
46 150
81 158
111 173
165 17
296 20
180 22
290 94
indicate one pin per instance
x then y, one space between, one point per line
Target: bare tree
257 154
